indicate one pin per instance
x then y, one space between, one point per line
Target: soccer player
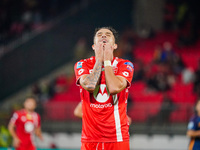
23 124
194 129
104 81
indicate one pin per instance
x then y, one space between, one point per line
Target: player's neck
29 111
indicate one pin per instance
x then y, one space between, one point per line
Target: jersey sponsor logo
80 71
125 73
29 127
101 94
79 65
101 105
129 64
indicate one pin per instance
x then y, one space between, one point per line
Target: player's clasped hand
99 51
108 51
103 51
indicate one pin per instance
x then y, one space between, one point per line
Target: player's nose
103 36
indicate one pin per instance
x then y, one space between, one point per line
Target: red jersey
25 124
104 115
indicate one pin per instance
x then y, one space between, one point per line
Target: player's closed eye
108 34
99 34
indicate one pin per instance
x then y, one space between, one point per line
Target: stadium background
41 40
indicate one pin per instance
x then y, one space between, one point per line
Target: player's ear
93 46
115 46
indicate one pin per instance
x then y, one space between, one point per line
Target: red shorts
105 146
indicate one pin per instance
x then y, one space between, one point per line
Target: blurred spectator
146 32
167 107
182 14
139 71
167 53
188 22
169 15
169 56
177 64
188 75
157 53
158 82
163 115
159 77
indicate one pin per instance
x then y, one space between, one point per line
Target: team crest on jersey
79 65
115 69
29 116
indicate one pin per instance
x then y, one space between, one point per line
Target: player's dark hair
31 97
115 33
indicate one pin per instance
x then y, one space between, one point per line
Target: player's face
30 104
105 36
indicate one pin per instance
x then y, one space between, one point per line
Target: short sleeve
14 118
80 68
126 70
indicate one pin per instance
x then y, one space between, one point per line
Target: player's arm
193 133
114 83
11 128
38 133
78 110
89 81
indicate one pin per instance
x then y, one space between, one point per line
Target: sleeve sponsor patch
129 64
79 65
130 68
